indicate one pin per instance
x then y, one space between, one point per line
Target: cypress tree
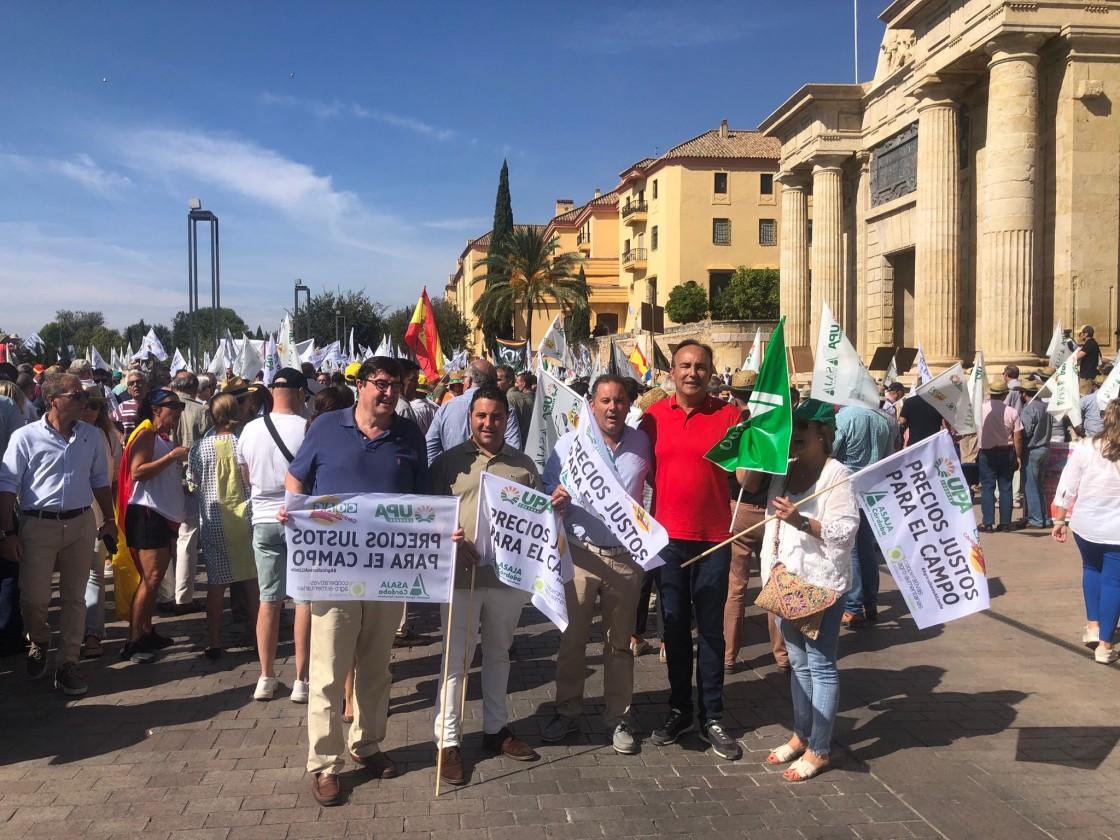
500 236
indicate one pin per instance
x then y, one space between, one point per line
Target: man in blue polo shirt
364 449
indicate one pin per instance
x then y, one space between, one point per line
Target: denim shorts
271 550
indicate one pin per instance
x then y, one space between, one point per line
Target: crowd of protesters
170 469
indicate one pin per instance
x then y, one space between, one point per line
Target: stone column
1007 288
861 294
794 258
828 240
937 278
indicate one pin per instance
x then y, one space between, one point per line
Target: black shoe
36 661
723 744
872 616
166 607
134 652
158 642
676 725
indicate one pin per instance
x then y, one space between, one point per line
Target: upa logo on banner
405 513
532 502
954 487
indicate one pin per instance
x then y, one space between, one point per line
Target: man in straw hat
1001 454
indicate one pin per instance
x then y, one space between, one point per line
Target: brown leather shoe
324 787
378 763
451 766
506 743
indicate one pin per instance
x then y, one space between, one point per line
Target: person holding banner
604 569
490 611
364 449
1092 477
691 500
812 538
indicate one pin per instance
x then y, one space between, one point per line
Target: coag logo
328 510
538 584
896 555
357 589
394 513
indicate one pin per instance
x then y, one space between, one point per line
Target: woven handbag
792 599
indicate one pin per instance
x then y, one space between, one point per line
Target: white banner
178 363
289 356
271 360
1110 389
977 386
554 345
556 410
249 361
371 547
920 508
754 357
948 393
588 474
839 375
1058 351
1065 399
522 537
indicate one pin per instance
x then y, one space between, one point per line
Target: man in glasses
367 448
56 467
125 414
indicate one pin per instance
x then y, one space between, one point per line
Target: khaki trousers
345 632
738 582
48 543
617 582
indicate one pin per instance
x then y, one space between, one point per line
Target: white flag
1065 399
556 410
178 363
1110 389
920 510
523 538
151 345
271 360
384 348
1058 351
977 386
754 356
839 375
248 362
350 347
33 342
892 373
219 364
554 345
97 362
289 355
948 393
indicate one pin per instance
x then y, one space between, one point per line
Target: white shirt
267 464
826 561
1095 483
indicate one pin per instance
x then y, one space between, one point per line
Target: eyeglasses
383 385
77 396
136 383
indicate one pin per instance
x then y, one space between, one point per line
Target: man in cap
1087 358
1037 428
1001 454
265 449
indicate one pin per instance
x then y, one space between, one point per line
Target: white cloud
80 168
325 110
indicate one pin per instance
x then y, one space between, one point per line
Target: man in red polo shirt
691 500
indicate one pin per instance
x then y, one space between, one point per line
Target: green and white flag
1065 400
948 393
762 442
839 375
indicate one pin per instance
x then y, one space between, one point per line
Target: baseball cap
816 411
896 386
351 372
289 378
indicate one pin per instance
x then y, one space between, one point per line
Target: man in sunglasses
56 467
367 448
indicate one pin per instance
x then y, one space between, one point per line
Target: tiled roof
483 241
607 200
737 145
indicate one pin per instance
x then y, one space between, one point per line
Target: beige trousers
345 632
617 583
48 543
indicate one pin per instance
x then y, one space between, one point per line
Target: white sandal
1091 637
784 754
804 769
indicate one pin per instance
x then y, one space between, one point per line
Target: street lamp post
337 319
307 306
195 215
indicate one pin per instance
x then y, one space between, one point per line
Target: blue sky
351 144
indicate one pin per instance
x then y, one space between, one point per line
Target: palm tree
529 275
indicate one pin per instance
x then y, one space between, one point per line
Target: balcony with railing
634 212
634 259
583 242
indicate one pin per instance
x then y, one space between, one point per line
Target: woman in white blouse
1092 477
814 541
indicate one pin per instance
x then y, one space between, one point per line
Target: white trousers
495 611
179 587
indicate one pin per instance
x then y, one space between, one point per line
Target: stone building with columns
969 195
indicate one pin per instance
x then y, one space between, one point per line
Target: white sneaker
301 690
266 687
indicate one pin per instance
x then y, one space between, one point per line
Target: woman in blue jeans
814 541
1092 477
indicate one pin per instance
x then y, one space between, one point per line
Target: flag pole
746 531
443 694
735 512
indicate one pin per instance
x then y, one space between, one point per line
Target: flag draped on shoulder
948 393
422 338
919 507
839 375
523 538
762 442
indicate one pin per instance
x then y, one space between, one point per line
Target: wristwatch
805 525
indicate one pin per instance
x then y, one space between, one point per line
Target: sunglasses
77 396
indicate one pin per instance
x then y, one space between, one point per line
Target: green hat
815 411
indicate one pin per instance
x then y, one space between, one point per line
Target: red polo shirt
690 492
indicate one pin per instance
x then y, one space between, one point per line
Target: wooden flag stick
732 539
468 651
443 694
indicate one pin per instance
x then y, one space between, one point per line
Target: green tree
752 294
80 329
228 319
578 327
687 303
452 328
501 235
354 309
530 277
134 334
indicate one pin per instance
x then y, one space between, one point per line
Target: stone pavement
998 725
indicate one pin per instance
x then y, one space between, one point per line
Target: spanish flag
638 360
422 338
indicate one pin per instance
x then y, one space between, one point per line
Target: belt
602 551
50 514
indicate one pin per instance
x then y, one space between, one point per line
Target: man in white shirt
264 450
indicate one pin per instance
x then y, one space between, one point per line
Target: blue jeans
815 682
996 466
1038 512
698 592
95 593
1100 581
863 597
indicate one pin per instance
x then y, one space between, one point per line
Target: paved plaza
998 725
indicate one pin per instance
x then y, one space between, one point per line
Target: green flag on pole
762 442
